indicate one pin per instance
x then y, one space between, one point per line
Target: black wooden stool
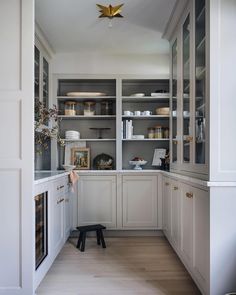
82 235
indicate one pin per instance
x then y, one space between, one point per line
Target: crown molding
39 35
174 18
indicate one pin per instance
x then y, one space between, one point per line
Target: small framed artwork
158 155
80 157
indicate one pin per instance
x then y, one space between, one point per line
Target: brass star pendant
110 11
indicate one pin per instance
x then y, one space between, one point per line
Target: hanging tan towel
74 177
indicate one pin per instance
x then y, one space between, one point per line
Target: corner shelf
81 117
85 98
146 117
147 139
90 139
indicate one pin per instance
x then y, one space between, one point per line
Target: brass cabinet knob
189 195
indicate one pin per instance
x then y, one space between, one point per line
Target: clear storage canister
89 108
166 132
70 108
151 132
158 132
106 107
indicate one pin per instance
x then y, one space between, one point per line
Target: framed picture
80 157
158 155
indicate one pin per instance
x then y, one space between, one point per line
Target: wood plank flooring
128 266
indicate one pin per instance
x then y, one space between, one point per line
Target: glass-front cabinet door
174 141
186 101
200 82
45 82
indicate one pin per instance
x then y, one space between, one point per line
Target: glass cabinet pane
174 102
200 81
36 74
186 90
36 71
45 82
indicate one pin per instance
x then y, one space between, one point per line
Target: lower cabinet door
67 216
175 213
166 187
201 234
97 200
139 201
187 196
57 232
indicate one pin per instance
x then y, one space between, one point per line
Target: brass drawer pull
60 187
176 188
189 138
189 195
59 201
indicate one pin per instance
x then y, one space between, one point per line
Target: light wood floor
128 266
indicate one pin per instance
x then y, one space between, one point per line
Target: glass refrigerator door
41 228
200 81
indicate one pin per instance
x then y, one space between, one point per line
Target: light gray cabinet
166 188
97 200
58 214
190 91
139 201
186 225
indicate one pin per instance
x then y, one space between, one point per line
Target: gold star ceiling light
110 11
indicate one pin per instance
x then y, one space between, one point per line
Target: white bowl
69 167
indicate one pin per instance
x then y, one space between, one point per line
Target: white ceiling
74 26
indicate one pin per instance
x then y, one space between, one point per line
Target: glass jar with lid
70 108
89 108
151 132
106 107
165 132
158 132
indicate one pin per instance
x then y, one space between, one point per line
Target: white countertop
44 176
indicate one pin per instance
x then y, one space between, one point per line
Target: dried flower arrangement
43 117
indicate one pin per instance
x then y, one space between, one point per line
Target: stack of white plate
72 135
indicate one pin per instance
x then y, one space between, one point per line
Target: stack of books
127 129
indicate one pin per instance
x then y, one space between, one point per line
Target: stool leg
79 240
102 239
83 242
98 237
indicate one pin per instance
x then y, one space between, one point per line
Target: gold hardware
189 138
36 198
176 188
59 201
60 187
167 183
175 142
189 195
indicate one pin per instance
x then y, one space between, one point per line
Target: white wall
94 63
